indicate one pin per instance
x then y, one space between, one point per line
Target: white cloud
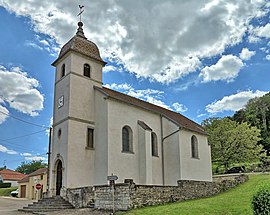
20 91
246 54
166 47
226 69
263 31
267 57
233 102
26 154
179 107
36 158
149 95
109 68
6 150
3 115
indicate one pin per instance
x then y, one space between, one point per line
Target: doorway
58 177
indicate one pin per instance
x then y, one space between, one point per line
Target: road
10 205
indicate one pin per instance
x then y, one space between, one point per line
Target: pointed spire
80 30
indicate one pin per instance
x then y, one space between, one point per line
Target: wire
26 135
30 123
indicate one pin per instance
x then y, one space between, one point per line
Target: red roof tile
11 175
178 118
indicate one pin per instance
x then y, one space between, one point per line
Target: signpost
38 186
112 178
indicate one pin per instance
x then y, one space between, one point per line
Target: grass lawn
6 191
235 201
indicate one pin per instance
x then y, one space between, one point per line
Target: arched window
86 70
154 144
63 70
194 147
127 139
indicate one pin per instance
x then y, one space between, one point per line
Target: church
98 132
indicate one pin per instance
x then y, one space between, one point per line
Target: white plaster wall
101 139
192 168
126 165
171 153
13 183
80 162
59 146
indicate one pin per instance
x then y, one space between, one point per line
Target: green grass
6 191
235 201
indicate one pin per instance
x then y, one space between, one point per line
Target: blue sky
199 58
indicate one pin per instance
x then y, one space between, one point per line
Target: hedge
5 185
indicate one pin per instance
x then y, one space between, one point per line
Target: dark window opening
63 70
86 70
154 144
126 139
90 138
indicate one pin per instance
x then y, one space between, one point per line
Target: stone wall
130 195
82 197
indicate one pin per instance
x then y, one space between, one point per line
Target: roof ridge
159 109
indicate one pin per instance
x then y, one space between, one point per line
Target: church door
59 177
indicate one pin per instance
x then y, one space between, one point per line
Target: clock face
60 102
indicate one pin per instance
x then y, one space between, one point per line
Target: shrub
5 185
261 201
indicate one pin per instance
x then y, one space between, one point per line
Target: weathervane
81 11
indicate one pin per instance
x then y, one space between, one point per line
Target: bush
5 185
261 201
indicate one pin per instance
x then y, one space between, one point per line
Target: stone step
47 205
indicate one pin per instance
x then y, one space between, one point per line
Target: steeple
80 30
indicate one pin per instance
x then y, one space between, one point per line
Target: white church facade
98 132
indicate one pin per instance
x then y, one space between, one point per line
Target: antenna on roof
81 11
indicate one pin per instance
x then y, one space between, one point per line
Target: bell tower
78 70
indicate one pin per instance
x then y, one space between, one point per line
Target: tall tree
232 142
257 113
27 168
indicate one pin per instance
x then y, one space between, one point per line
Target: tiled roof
11 175
40 171
178 118
25 179
80 44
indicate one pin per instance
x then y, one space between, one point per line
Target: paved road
10 205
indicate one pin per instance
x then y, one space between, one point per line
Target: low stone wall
130 195
81 197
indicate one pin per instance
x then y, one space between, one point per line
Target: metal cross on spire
81 11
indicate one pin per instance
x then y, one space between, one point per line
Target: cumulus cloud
246 54
3 113
267 57
20 91
226 69
233 102
6 150
262 31
164 47
179 107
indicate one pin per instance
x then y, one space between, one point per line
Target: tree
257 113
27 168
232 142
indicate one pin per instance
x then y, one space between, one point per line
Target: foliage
5 184
27 168
257 113
261 201
6 191
234 201
232 142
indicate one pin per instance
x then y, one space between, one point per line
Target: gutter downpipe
162 148
49 160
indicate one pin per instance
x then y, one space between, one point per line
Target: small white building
98 132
